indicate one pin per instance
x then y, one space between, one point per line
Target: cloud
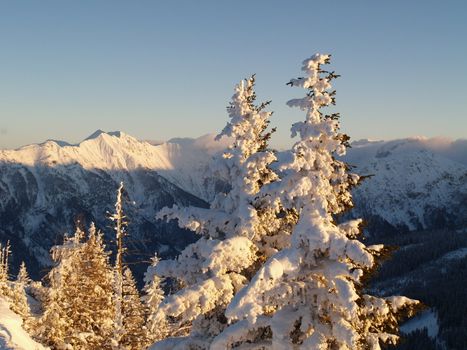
455 150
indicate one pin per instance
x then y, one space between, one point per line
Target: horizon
165 70
437 139
454 149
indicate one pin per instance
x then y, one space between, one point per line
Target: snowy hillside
414 183
12 335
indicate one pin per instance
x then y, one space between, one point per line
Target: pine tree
156 324
233 229
79 310
56 324
23 275
19 298
94 308
4 268
309 295
134 335
14 291
120 229
129 314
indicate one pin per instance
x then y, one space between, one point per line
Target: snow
427 319
456 254
12 335
432 178
433 168
310 288
185 162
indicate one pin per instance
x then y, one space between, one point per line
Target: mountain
414 184
47 189
415 197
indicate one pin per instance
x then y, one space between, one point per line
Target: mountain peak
99 132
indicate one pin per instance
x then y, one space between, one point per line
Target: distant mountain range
415 183
46 189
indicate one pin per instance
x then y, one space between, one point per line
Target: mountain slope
12 335
46 189
412 186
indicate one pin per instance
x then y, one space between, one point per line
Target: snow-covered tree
23 275
153 295
19 302
120 231
233 229
95 289
79 310
134 335
55 324
309 295
129 323
4 268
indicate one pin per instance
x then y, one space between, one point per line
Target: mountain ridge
45 187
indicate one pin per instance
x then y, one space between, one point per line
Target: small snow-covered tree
233 229
23 275
156 323
309 295
134 335
4 268
19 298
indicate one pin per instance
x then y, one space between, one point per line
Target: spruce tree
56 324
156 324
79 311
23 275
19 297
309 295
4 268
233 229
129 322
94 306
134 317
120 230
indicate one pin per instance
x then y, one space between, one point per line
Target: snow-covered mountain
46 188
414 183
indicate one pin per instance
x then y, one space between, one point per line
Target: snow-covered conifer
134 335
94 314
120 231
4 266
309 295
79 310
55 324
156 323
129 314
19 302
214 268
23 275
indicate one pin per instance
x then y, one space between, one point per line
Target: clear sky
163 69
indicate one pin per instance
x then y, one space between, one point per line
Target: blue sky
162 69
